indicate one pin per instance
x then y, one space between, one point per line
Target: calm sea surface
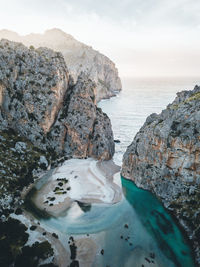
139 98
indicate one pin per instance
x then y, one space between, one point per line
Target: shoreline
97 176
87 181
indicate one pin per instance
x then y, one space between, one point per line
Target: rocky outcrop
41 103
164 158
45 118
78 56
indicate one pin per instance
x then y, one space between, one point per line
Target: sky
143 37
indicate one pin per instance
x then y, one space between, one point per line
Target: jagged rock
43 161
20 147
78 56
40 102
164 157
43 115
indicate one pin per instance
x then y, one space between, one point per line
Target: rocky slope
78 56
40 103
45 118
164 158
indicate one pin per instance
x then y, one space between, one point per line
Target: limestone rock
78 56
164 158
41 103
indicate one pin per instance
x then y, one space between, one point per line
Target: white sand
85 180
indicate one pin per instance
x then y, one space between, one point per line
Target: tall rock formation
164 158
39 101
45 118
78 56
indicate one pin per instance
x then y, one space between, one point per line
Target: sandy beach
87 181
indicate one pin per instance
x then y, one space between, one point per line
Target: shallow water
159 224
138 230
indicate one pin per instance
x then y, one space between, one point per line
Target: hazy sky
143 37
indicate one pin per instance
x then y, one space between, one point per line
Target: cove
135 232
159 224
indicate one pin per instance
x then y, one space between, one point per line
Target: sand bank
87 181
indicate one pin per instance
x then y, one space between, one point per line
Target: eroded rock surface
45 118
40 102
78 56
164 158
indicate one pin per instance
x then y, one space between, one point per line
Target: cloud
136 34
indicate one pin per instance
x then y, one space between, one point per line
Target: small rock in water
44 233
74 263
126 225
121 236
147 260
152 255
71 238
102 251
55 235
18 211
33 227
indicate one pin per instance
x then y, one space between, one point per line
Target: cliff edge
45 118
79 58
164 158
41 103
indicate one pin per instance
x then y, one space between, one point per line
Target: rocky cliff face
164 158
40 103
78 56
45 118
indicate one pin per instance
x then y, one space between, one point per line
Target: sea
139 98
137 231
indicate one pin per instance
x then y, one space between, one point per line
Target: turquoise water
152 237
159 224
129 232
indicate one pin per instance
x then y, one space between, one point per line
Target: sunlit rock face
41 103
78 56
164 158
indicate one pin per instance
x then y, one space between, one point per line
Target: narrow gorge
63 200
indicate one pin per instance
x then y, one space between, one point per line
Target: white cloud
136 34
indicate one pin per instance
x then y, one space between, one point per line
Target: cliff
78 57
164 158
41 103
45 118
